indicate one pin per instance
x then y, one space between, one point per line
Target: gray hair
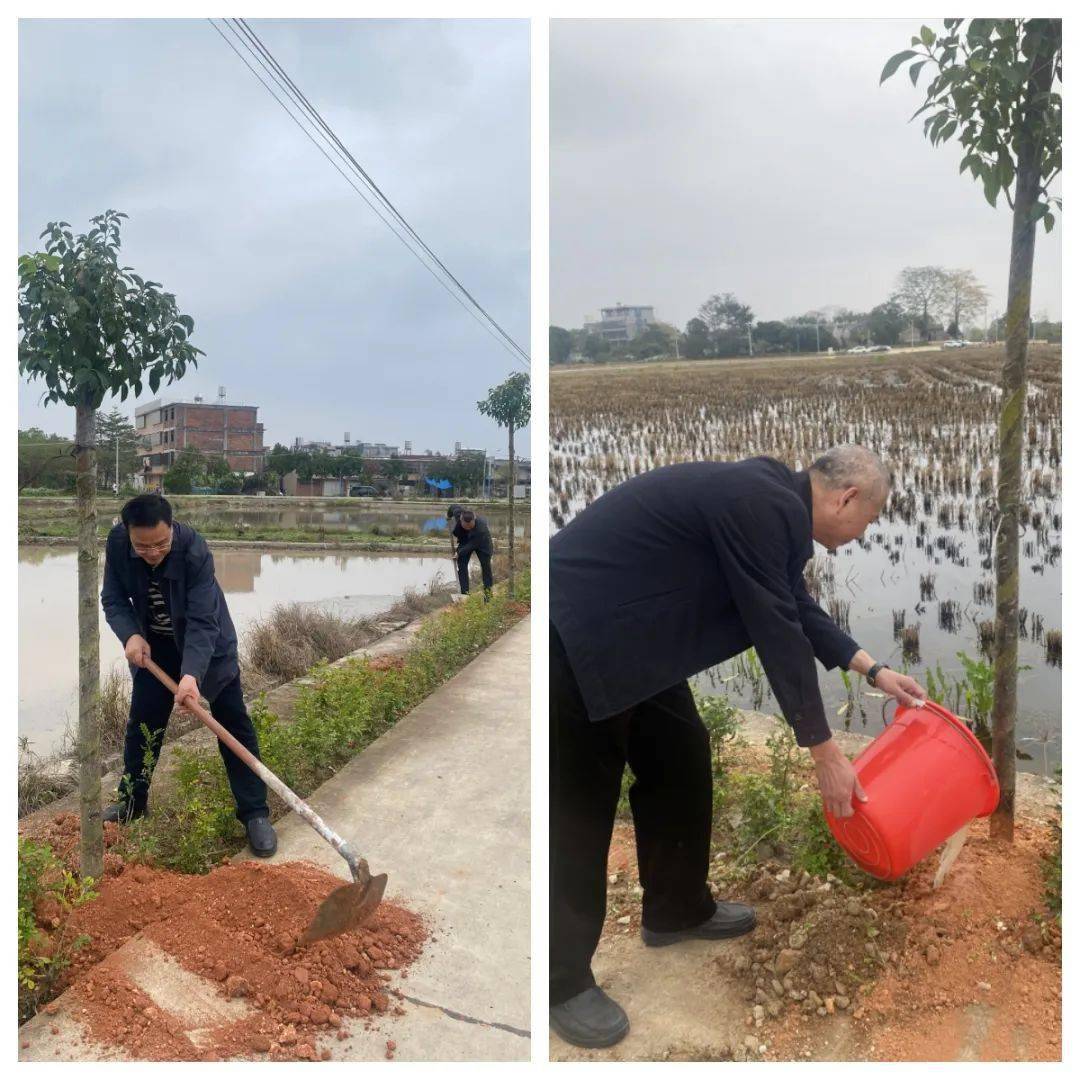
853 466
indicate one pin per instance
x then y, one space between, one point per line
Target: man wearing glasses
163 602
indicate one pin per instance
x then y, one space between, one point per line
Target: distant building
621 323
229 431
498 476
377 450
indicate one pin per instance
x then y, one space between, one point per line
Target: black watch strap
872 674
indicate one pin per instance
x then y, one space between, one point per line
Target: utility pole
750 338
116 486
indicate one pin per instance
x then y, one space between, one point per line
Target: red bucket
926 776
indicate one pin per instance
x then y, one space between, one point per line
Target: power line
349 181
344 150
476 311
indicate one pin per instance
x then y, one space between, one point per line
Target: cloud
758 157
303 301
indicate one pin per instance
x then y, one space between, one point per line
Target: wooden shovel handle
357 865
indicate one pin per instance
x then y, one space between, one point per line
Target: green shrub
780 809
48 887
1052 864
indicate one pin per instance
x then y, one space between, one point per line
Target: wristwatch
872 674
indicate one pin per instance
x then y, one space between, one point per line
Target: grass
33 526
47 893
777 813
347 708
293 638
1052 863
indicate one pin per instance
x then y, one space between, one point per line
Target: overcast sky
690 157
304 302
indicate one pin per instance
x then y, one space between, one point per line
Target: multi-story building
498 477
621 323
216 429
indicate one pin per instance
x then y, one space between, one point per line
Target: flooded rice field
253 582
917 591
389 519
345 519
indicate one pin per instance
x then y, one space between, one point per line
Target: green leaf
894 62
914 70
1048 221
927 36
946 131
991 186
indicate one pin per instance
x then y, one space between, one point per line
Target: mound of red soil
237 926
982 941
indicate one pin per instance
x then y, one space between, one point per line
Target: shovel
348 906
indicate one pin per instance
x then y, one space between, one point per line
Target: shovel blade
348 907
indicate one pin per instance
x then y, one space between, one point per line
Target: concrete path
441 804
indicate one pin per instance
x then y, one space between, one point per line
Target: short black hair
467 515
453 510
146 511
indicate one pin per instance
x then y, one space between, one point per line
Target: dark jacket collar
802 486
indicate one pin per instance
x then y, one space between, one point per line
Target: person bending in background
473 536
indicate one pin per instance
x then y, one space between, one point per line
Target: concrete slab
441 804
194 1004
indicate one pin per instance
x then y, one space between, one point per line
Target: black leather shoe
261 837
122 812
730 920
591 1019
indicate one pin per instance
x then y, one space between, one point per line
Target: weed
47 893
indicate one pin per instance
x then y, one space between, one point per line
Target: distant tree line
465 472
928 303
47 461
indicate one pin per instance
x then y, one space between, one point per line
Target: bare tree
964 297
922 291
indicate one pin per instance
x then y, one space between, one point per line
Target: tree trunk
88 747
512 474
1010 487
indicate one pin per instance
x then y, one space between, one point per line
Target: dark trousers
666 745
485 570
151 706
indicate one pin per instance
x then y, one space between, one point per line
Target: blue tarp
441 485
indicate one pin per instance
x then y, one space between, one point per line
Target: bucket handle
935 708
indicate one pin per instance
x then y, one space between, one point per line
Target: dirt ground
239 928
898 972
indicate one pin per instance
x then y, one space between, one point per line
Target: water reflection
348 583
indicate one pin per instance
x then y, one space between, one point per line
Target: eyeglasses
150 549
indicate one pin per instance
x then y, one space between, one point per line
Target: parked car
858 350
955 344
363 491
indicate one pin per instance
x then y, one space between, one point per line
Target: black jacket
476 539
680 568
203 630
